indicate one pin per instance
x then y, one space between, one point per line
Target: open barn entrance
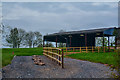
84 38
84 41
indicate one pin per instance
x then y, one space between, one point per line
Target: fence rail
70 50
56 54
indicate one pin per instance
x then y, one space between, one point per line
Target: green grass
0 58
7 55
105 58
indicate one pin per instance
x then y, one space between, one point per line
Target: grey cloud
51 17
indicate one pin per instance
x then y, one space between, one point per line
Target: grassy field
0 58
110 58
106 58
8 53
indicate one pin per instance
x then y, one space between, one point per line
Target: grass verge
109 58
9 53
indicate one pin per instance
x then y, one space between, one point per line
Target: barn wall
79 41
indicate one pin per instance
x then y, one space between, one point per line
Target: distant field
110 58
8 53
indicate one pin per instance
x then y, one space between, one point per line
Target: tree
12 38
5 31
105 41
49 44
37 39
40 45
15 37
61 45
21 36
99 41
29 39
112 41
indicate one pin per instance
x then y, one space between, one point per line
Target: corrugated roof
81 31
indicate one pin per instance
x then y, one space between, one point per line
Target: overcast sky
51 17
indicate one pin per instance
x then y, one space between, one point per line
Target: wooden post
86 50
104 49
51 50
80 49
52 54
73 49
56 56
47 51
62 59
59 57
92 49
98 50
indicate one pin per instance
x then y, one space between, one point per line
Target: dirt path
23 67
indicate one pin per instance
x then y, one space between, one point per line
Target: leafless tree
21 36
29 39
37 39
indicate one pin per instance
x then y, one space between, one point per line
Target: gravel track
23 67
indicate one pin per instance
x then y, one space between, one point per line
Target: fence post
114 49
98 50
47 51
104 49
73 49
52 54
80 49
62 59
92 49
59 56
86 50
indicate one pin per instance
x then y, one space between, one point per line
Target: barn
80 38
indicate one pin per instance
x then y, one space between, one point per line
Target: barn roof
108 31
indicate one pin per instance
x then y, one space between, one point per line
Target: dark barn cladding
80 38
